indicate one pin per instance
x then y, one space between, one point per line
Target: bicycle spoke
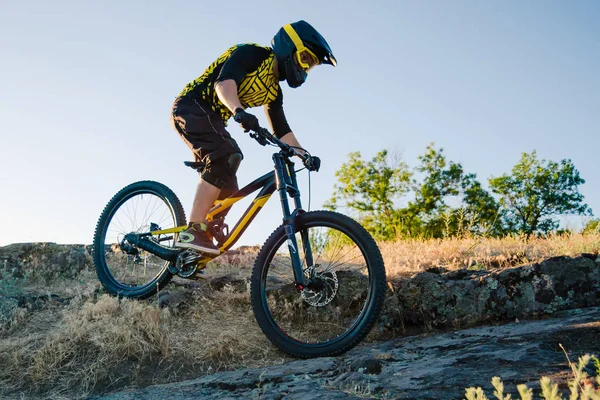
323 247
135 215
119 226
331 266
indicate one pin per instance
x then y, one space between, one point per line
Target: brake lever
259 138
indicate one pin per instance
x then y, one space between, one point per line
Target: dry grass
103 344
98 343
409 256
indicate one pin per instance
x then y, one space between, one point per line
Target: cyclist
246 75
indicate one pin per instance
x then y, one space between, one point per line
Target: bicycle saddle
197 165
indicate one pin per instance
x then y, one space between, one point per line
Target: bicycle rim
129 267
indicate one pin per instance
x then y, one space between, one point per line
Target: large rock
436 367
44 261
438 298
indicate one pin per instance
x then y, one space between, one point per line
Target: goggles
305 58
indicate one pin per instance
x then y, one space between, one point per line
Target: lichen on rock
466 297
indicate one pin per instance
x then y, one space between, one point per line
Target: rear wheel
343 303
123 269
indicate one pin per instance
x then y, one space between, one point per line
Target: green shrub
10 285
585 384
592 226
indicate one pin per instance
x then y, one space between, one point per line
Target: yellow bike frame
266 182
282 179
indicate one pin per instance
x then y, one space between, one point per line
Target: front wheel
124 269
346 295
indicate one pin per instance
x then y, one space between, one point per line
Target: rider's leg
218 181
207 193
205 134
217 175
205 197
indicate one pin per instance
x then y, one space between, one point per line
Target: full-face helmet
299 47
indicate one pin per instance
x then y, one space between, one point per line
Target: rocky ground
438 366
556 300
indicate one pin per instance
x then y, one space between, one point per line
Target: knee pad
233 162
221 172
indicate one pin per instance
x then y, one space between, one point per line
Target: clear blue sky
86 89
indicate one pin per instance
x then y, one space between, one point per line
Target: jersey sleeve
276 117
246 58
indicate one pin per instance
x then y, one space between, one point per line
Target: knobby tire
373 305
110 283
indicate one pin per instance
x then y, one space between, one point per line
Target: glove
248 121
312 163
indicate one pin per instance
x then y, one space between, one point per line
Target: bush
592 227
585 384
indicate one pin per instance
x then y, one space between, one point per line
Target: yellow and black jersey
251 67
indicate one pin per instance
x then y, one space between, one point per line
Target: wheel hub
322 288
128 248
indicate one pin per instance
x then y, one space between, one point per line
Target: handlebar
264 137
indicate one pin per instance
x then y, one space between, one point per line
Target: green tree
370 189
593 226
450 201
538 190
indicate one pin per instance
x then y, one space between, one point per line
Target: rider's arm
279 125
276 117
290 139
227 92
246 58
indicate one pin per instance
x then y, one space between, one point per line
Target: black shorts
205 134
202 130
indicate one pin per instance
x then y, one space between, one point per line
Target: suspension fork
298 209
286 183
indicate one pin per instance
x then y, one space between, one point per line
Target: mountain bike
318 282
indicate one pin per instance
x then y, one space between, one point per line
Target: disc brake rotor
326 293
